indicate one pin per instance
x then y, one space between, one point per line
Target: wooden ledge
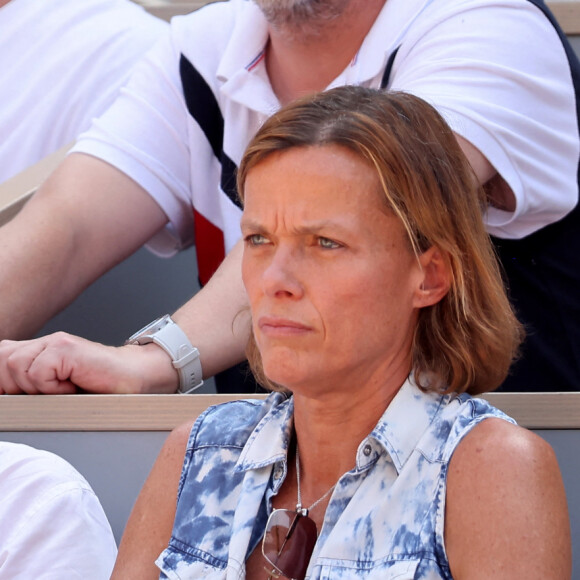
104 412
568 15
164 412
540 410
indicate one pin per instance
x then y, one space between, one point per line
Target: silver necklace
299 509
285 556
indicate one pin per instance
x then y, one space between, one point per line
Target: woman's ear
436 278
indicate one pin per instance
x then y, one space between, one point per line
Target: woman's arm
151 521
506 513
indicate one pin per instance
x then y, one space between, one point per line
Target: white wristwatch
165 333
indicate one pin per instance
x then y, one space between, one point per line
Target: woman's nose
281 277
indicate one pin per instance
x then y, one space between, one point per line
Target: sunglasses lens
289 542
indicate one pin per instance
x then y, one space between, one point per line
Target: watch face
151 328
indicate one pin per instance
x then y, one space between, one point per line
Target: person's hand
62 364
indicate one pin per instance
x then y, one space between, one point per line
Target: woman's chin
283 372
279 360
285 380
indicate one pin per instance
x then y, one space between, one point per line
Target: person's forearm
86 217
217 322
217 319
33 264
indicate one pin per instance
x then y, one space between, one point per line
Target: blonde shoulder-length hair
467 341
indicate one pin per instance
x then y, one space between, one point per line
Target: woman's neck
331 424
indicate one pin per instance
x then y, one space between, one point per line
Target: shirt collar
270 439
405 420
386 34
244 53
398 431
242 69
247 41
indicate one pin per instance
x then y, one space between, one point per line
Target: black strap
204 108
388 67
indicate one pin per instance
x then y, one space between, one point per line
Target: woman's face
329 273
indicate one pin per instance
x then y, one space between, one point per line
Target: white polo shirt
496 70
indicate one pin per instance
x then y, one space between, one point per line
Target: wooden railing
568 15
164 412
113 439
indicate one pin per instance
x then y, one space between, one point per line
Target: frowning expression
328 269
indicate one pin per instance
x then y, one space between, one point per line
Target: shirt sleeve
144 134
500 77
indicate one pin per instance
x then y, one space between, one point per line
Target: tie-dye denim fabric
385 519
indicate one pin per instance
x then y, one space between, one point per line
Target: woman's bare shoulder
506 512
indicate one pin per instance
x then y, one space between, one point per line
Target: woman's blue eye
256 239
328 243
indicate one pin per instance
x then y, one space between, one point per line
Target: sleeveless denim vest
385 518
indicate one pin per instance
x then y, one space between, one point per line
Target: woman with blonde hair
378 310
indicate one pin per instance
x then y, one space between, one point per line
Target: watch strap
185 357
